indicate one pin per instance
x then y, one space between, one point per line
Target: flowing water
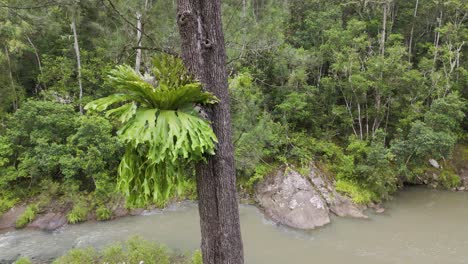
418 226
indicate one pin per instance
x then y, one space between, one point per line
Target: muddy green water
418 226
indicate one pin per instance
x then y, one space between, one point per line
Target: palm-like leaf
163 133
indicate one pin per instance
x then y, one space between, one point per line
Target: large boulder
49 221
303 202
8 219
338 204
289 199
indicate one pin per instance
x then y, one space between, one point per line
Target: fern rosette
161 128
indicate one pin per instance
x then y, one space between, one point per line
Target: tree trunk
384 28
78 62
378 99
204 55
12 81
410 44
436 40
138 51
38 59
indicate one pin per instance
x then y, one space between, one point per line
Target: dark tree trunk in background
203 53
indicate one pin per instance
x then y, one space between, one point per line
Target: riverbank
420 226
303 200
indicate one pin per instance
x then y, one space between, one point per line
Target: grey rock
120 212
8 219
343 206
380 210
290 199
303 202
434 163
49 221
338 204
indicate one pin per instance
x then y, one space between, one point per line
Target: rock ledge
303 202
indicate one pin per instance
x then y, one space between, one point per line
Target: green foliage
113 254
27 216
449 179
103 213
197 257
148 252
23 260
256 135
261 171
308 75
434 137
161 129
47 144
79 213
7 202
78 256
358 193
134 250
368 165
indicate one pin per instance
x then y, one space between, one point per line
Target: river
419 226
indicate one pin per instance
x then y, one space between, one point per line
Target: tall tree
78 61
203 52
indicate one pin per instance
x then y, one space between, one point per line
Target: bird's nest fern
163 132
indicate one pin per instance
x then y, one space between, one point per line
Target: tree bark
78 62
12 81
138 51
38 59
203 53
378 96
410 45
436 40
384 28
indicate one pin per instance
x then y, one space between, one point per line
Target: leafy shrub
368 165
78 256
357 193
79 213
113 254
6 203
23 260
449 179
434 137
27 216
261 171
46 144
197 257
139 250
133 251
256 135
103 213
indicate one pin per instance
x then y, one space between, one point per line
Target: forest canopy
370 89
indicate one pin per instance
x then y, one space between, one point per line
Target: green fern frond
162 130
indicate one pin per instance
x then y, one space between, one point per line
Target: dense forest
370 90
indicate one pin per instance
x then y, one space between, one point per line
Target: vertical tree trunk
38 59
410 44
138 51
436 39
378 99
384 28
78 62
203 52
12 81
140 29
